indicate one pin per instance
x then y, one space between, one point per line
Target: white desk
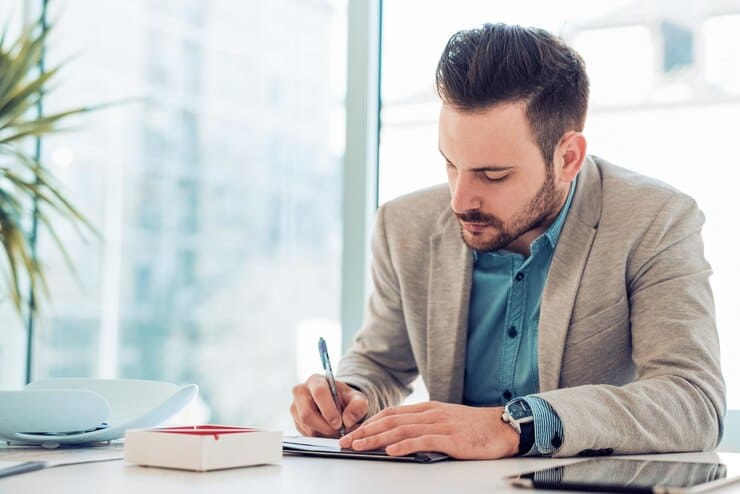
304 475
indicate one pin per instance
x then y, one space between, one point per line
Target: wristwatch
519 416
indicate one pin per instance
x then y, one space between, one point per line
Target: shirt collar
553 232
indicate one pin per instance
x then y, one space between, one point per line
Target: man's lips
474 227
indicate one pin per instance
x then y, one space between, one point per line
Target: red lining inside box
205 430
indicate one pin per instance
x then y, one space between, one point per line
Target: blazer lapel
564 276
450 275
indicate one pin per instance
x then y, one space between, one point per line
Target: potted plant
29 196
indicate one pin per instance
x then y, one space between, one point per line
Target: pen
26 466
324 354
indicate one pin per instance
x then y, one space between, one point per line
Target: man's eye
494 178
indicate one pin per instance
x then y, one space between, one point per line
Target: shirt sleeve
548 429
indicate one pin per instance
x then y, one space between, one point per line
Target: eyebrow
485 168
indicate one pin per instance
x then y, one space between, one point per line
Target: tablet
616 475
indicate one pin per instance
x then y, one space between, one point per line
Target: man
553 303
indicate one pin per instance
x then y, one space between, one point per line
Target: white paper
312 443
330 447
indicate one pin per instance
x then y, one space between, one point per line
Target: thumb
355 405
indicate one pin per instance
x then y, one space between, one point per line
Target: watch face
519 409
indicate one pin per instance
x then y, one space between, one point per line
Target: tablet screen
616 475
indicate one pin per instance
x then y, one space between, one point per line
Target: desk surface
305 475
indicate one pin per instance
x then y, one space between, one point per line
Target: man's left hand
459 431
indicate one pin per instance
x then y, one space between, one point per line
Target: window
673 117
720 54
212 242
612 53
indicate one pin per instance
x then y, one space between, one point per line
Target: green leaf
21 92
29 50
39 126
9 240
24 181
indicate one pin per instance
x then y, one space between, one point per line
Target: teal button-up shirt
501 357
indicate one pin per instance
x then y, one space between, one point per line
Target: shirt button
519 276
507 395
512 332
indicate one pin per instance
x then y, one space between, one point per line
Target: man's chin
481 241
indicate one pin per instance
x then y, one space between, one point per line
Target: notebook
319 446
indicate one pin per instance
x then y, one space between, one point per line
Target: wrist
519 417
506 436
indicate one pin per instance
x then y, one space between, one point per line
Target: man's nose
465 196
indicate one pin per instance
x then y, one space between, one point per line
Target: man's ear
570 155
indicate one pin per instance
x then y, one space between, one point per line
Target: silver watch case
517 412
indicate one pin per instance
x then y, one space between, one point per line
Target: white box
202 447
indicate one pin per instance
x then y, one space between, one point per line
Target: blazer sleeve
380 362
677 400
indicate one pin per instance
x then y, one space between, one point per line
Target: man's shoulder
632 205
623 178
629 190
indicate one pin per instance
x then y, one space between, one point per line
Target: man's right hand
315 413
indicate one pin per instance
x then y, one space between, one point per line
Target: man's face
503 193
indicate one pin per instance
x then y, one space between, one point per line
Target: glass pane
610 54
720 53
662 74
216 193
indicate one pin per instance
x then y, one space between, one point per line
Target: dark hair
499 63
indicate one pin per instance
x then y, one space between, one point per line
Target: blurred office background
229 236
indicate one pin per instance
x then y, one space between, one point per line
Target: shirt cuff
548 429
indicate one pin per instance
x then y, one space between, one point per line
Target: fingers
299 427
401 410
432 442
356 405
392 425
391 436
315 412
308 398
324 401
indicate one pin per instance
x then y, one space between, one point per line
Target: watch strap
526 438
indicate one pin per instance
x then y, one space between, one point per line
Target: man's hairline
483 108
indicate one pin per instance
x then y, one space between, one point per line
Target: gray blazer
628 347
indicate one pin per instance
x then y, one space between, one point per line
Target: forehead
499 134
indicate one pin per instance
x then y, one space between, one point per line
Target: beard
543 207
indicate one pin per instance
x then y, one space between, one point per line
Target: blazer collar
564 276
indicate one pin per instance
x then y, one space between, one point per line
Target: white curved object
132 404
51 411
